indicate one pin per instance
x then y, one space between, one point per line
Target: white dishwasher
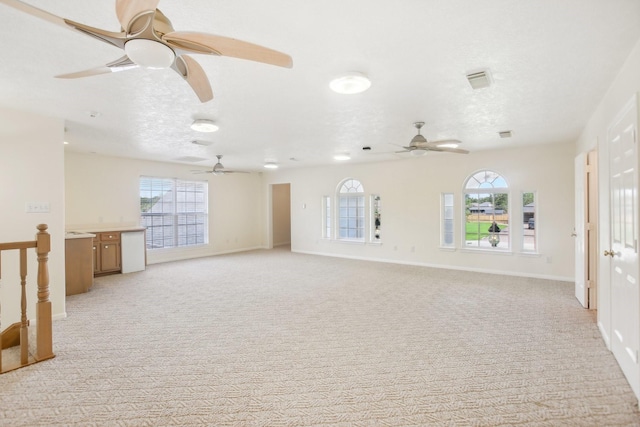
132 246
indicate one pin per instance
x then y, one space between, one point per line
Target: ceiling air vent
505 134
479 79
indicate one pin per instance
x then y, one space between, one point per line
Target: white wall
410 192
594 136
102 192
31 170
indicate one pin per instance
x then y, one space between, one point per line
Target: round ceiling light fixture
350 83
149 53
342 156
271 165
417 152
204 125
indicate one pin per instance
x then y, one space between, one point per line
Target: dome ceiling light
350 83
149 54
203 125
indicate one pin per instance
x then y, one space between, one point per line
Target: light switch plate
37 207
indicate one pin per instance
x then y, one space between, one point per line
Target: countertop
105 229
78 235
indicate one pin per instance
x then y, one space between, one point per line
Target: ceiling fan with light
218 168
149 40
420 146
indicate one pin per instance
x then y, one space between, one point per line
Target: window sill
487 251
530 254
448 248
350 241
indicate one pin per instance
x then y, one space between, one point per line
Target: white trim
445 267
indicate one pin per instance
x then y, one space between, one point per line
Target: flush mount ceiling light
350 83
203 125
342 156
271 165
149 53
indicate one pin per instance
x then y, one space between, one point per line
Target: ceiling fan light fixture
149 53
418 152
271 165
448 145
342 156
204 125
350 83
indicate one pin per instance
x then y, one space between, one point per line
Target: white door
579 231
623 249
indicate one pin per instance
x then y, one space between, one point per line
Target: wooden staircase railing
18 333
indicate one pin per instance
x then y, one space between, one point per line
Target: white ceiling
551 63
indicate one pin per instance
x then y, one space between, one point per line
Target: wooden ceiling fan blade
130 12
193 73
226 46
448 150
34 11
121 64
109 37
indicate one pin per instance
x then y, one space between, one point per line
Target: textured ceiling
551 62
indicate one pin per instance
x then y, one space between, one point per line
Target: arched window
351 210
486 196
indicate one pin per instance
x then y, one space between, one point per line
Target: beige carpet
271 338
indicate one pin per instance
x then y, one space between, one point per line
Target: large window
529 228
486 211
351 210
326 217
174 212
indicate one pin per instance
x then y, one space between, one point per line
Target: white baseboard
447 267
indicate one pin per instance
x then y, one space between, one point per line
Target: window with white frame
376 218
326 217
529 226
351 210
446 213
174 212
486 211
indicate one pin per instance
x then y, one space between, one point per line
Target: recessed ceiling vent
505 134
479 79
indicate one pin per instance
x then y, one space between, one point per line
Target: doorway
281 215
586 229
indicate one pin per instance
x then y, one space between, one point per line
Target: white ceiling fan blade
193 73
135 15
121 64
226 46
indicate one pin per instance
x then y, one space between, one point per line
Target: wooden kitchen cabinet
78 268
106 253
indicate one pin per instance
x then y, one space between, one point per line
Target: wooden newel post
43 307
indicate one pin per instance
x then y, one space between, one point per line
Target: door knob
609 253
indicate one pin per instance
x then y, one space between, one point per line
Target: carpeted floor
273 338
